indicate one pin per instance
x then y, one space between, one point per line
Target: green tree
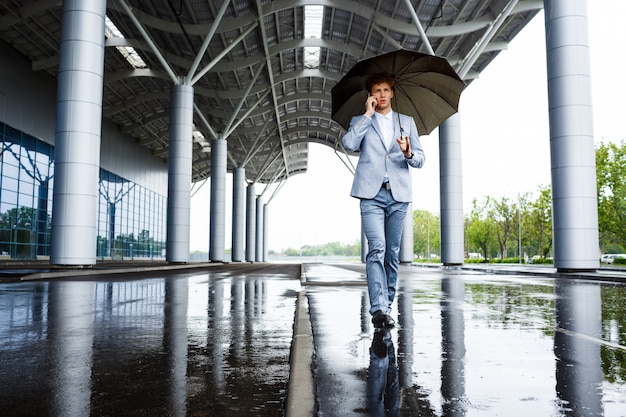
18 232
522 209
426 233
540 221
504 215
611 188
479 228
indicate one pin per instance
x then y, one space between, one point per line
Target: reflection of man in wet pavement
383 392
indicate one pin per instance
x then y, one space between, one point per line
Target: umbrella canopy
427 88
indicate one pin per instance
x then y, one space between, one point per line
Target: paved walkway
212 339
480 340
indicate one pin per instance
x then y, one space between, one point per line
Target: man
389 144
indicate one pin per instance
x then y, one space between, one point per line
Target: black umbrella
427 88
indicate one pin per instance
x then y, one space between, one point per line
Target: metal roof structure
260 79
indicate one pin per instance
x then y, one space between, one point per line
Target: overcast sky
505 141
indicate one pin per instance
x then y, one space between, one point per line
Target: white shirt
385 121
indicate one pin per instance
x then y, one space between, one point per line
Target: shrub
543 261
505 261
476 261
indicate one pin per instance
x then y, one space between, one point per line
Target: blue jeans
382 219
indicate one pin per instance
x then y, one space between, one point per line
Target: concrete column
239 202
573 163
78 133
251 224
451 194
406 244
217 238
179 174
265 230
259 228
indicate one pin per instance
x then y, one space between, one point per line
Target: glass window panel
9 184
139 212
26 185
25 200
8 170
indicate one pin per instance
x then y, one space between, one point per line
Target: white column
451 191
251 224
179 174
259 229
217 237
573 163
78 133
265 230
239 202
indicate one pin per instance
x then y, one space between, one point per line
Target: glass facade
131 218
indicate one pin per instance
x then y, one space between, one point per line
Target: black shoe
382 320
379 347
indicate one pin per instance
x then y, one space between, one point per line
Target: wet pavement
214 342
219 341
470 343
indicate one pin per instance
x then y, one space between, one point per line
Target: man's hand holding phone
370 106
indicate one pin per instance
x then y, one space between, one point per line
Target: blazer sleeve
358 127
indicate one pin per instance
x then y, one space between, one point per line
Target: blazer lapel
379 131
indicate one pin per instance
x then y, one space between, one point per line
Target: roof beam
245 95
207 39
228 132
385 35
149 40
270 74
467 63
420 29
222 54
256 146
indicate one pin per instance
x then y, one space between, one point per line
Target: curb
301 388
87 272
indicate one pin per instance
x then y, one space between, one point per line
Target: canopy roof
264 81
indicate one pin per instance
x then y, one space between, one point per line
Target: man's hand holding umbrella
405 146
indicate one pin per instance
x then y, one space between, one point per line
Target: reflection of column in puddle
237 320
577 348
215 333
70 341
405 332
261 297
250 299
452 346
40 293
175 343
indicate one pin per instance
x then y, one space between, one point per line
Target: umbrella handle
400 124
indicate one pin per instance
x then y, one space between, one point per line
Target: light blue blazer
365 136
